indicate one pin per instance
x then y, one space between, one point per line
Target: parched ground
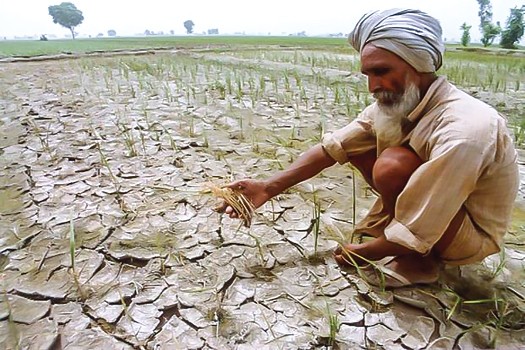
108 239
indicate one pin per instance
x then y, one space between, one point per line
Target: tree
490 32
465 37
514 29
488 29
67 15
112 32
189 26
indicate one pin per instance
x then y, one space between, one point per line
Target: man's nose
374 85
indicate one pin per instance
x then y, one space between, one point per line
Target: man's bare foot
403 271
345 255
416 268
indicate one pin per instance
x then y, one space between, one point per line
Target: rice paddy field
108 237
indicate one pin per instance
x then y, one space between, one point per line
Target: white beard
389 123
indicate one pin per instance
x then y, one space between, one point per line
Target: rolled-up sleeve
355 138
435 192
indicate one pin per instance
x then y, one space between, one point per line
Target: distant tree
465 37
172 32
514 29
148 32
213 31
43 37
189 26
112 32
490 32
488 29
67 15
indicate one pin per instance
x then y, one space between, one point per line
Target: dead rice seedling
236 199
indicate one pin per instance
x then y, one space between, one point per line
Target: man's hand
254 190
309 164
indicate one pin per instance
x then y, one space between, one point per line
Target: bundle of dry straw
235 199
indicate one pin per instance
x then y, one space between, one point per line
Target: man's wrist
271 188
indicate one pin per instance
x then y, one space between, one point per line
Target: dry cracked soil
108 239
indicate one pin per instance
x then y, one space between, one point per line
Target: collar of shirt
434 96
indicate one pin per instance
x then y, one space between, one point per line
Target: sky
19 18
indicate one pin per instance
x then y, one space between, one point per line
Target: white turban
411 34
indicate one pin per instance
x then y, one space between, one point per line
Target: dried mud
112 154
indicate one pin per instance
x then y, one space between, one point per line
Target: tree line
509 35
68 16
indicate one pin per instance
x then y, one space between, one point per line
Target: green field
26 48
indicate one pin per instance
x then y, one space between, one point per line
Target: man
443 162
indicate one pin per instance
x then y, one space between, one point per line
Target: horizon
232 17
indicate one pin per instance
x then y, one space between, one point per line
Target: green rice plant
501 265
255 145
337 95
239 92
129 139
298 81
72 250
380 274
168 95
286 81
259 246
333 324
504 316
241 128
354 202
262 83
350 257
187 90
124 305
316 221
229 84
105 163
43 137
172 142
206 142
303 97
221 88
123 206
191 125
313 61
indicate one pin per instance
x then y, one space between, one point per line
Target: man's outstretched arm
309 164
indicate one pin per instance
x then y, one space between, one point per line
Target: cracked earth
108 239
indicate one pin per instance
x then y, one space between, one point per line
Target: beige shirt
469 160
